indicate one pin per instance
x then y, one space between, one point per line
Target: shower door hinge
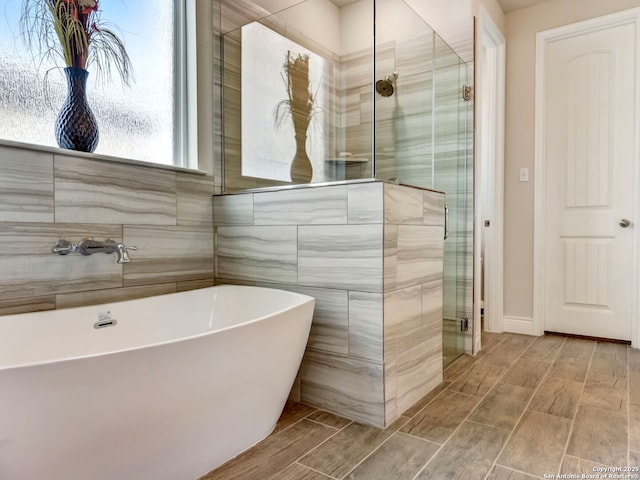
466 93
464 324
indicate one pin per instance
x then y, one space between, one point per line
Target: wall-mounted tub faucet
89 246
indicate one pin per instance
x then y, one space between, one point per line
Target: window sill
96 156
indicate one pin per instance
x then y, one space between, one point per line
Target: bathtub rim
305 299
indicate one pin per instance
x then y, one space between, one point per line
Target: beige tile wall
371 255
47 195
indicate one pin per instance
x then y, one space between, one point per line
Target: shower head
385 87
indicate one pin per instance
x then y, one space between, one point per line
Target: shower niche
325 92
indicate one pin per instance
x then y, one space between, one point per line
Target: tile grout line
573 420
533 394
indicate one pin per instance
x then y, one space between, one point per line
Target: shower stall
333 91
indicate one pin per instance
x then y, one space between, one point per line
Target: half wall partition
327 91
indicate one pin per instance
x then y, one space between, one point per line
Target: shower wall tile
366 325
94 191
26 185
168 254
341 256
233 210
347 386
419 255
419 370
301 207
390 277
415 55
194 284
433 209
365 203
194 199
257 253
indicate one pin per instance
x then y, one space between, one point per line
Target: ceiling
507 5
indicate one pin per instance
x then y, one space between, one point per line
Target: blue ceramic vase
76 126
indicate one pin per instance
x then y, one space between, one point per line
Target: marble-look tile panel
415 54
194 284
233 209
365 203
92 191
403 205
330 326
391 411
30 269
13 306
26 185
345 386
341 256
97 297
365 325
419 371
194 199
390 257
403 327
432 307
302 206
420 255
168 254
433 209
262 254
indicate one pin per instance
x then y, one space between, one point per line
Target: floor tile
634 459
634 387
424 401
347 448
517 339
467 455
329 419
273 454
526 373
616 349
633 356
460 366
478 380
503 406
578 466
438 421
578 347
570 367
503 473
607 364
399 458
634 428
504 356
544 349
537 444
608 393
599 436
296 471
556 396
293 412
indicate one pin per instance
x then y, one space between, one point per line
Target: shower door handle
446 221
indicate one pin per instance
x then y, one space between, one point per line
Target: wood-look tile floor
525 407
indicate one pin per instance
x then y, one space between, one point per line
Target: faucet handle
63 247
123 252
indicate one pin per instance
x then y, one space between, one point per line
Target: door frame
543 39
489 174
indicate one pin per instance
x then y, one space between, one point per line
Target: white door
589 151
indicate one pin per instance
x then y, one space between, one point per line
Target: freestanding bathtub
164 387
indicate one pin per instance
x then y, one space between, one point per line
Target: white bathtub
180 384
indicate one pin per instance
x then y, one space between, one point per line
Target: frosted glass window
135 122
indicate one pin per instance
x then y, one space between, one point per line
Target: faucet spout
89 246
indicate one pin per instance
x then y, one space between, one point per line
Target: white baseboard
522 325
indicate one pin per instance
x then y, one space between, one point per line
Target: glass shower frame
420 135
